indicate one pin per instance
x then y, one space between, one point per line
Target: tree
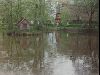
65 15
89 7
14 10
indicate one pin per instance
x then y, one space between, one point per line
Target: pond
52 53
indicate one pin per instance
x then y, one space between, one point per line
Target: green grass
70 26
74 25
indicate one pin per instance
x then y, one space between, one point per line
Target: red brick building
58 19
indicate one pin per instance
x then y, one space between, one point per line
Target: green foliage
64 16
38 12
32 10
89 8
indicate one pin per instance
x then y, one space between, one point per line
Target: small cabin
23 24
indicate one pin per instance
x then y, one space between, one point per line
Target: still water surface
54 53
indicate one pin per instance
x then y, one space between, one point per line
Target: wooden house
23 24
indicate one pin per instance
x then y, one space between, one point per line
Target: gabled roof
23 19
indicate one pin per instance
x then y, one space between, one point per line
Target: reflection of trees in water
82 49
25 51
85 65
87 62
77 43
39 54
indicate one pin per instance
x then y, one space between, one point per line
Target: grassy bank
48 28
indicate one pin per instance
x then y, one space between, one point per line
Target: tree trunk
90 20
91 17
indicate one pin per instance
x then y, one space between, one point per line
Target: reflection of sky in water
58 65
63 67
51 39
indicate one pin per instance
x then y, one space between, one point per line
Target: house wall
24 25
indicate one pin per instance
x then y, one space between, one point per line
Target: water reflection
55 53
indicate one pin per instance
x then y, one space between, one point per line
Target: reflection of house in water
39 57
24 52
25 42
